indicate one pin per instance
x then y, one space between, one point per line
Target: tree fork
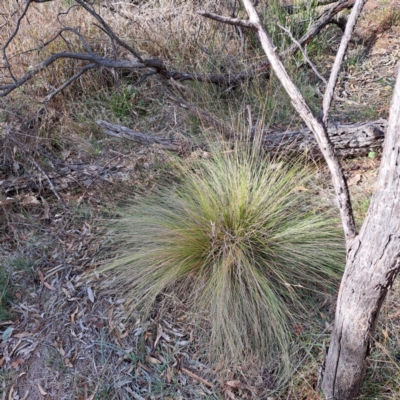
373 256
372 265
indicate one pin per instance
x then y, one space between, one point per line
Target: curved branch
69 81
109 31
316 126
99 61
156 65
227 20
12 36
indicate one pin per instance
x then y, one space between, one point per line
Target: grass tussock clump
242 240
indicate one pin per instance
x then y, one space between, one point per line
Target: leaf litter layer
241 240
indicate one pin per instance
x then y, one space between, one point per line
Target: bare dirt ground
68 336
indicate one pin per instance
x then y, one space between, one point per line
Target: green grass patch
5 293
241 241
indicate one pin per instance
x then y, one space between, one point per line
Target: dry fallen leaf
73 314
354 180
41 276
159 334
17 362
42 392
90 294
10 394
153 360
49 286
46 209
30 200
67 363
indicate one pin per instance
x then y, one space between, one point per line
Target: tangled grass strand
242 239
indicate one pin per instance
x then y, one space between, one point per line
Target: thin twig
310 63
53 189
351 22
198 378
12 36
227 20
68 82
109 31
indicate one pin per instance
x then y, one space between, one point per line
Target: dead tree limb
122 132
138 62
349 140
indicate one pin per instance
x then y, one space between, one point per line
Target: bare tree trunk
373 256
372 265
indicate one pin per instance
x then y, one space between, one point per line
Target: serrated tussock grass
242 240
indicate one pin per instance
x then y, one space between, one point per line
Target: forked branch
151 66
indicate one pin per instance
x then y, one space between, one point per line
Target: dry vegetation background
65 333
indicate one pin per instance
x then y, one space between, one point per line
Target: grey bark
373 263
349 140
65 177
373 256
316 126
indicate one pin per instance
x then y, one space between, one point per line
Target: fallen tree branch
172 143
349 140
65 177
138 62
